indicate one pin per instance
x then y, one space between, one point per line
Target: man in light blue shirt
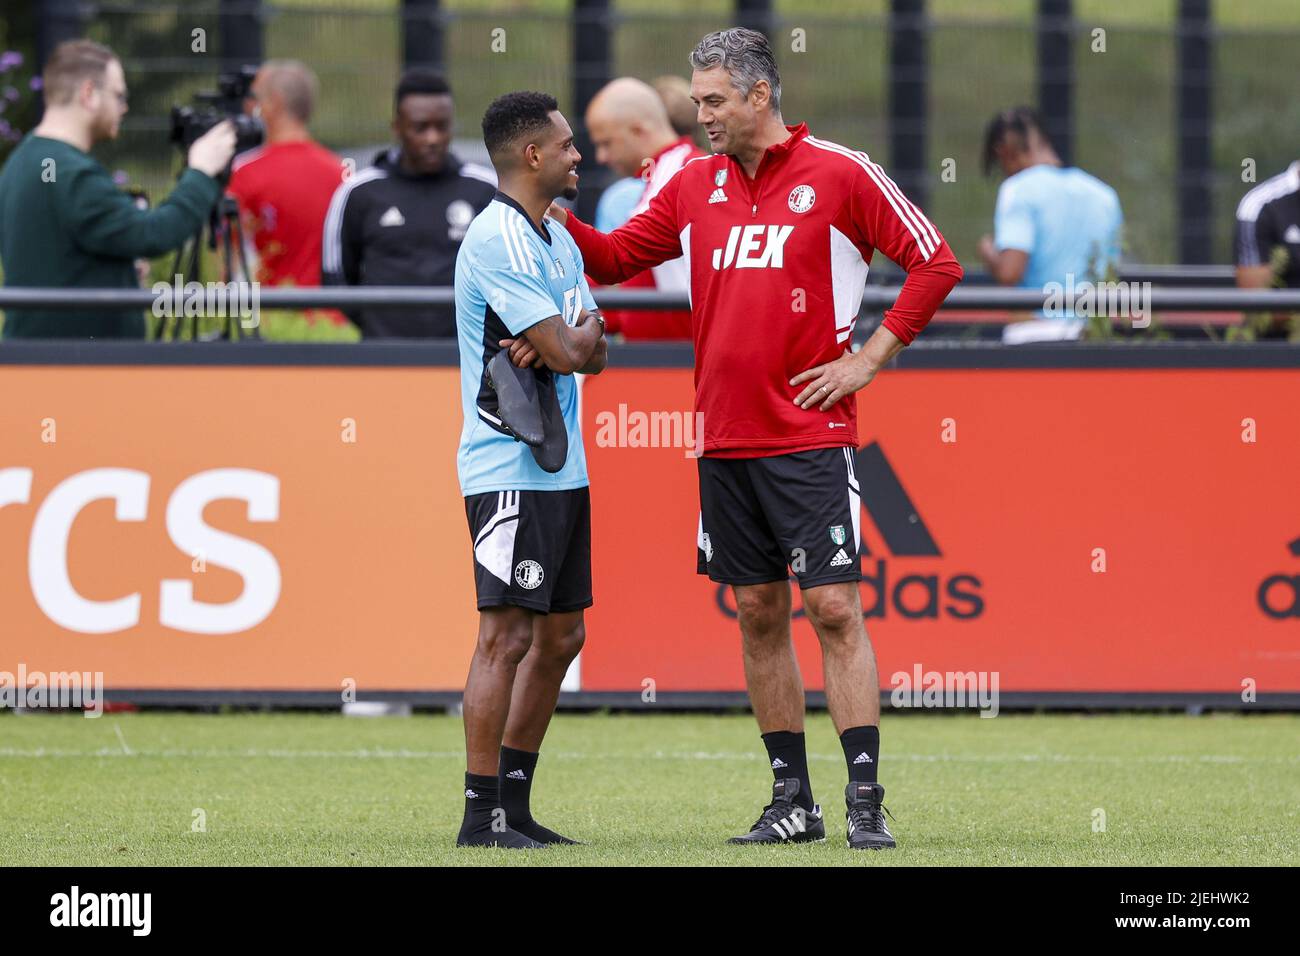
520 286
1052 222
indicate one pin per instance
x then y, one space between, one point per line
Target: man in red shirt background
779 228
284 187
629 126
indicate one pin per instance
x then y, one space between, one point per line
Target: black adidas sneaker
867 827
784 821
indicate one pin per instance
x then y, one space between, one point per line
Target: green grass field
321 789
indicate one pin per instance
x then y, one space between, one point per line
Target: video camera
222 230
191 122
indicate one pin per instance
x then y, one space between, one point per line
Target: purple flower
120 177
4 128
10 59
11 94
35 83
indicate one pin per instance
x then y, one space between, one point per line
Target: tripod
222 227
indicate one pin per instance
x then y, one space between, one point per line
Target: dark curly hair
513 115
1016 122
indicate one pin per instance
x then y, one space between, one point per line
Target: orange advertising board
1016 485
295 528
350 490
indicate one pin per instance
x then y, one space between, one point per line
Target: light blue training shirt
1067 220
510 275
617 202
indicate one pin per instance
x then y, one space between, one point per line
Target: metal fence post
1056 74
1195 103
756 15
592 69
423 34
908 68
56 21
240 26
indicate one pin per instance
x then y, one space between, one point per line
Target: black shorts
532 549
762 516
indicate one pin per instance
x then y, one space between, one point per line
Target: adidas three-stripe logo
884 828
778 763
516 775
789 826
862 758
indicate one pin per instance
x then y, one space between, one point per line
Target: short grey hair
745 55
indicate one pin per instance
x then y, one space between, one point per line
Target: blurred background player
401 221
1051 222
520 285
617 201
620 197
63 221
775 212
1268 241
676 94
629 128
284 187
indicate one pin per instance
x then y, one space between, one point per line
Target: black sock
515 778
861 752
517 768
789 758
482 803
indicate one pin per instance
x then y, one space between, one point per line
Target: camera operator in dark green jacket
63 221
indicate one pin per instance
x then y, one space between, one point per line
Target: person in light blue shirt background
621 196
1052 222
617 202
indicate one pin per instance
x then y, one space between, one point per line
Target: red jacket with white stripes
777 266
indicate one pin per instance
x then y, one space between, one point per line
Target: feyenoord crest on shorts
529 574
532 549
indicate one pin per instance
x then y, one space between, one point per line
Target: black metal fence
1178 110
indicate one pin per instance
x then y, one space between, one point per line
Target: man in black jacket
401 221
